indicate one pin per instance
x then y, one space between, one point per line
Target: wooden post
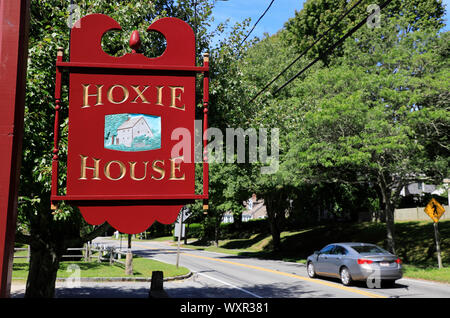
14 24
438 248
86 253
111 256
205 131
129 263
99 258
55 151
129 258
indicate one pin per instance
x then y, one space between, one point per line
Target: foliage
317 16
114 121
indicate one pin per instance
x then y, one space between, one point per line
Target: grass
415 244
142 267
428 273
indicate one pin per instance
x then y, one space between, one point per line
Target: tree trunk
388 204
45 256
272 216
275 231
44 264
217 231
390 227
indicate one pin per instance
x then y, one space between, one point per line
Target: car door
323 259
335 260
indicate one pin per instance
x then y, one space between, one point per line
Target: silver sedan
355 262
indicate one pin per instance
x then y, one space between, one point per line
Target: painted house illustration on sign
132 132
133 127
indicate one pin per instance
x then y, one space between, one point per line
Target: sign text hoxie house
122 112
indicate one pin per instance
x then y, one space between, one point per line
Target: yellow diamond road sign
434 210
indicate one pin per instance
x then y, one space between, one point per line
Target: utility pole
180 233
438 247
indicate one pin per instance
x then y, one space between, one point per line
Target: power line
264 13
331 48
306 51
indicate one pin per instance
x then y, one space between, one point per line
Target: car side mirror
317 252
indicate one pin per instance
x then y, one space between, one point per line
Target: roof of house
131 122
416 188
258 210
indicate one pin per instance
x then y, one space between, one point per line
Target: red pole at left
14 24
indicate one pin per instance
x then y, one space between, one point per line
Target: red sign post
14 17
126 118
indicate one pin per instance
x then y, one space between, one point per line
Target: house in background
228 217
254 210
418 188
133 127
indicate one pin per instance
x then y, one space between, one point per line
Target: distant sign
434 210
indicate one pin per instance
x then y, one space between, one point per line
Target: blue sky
239 10
278 14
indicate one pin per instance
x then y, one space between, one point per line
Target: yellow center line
329 284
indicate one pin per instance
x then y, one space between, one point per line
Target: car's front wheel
310 269
346 278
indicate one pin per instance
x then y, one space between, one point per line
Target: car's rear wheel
346 278
310 269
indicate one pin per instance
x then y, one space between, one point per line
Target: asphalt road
217 275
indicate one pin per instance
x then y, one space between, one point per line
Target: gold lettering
133 168
174 97
86 95
95 168
159 95
122 167
160 170
110 94
176 167
140 94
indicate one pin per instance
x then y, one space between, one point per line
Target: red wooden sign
121 163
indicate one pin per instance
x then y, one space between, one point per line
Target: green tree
228 182
370 114
262 63
385 128
317 16
114 122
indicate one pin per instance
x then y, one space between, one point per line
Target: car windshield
368 249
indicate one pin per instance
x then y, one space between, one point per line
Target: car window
327 249
339 250
368 249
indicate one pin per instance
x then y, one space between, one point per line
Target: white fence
418 214
105 253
